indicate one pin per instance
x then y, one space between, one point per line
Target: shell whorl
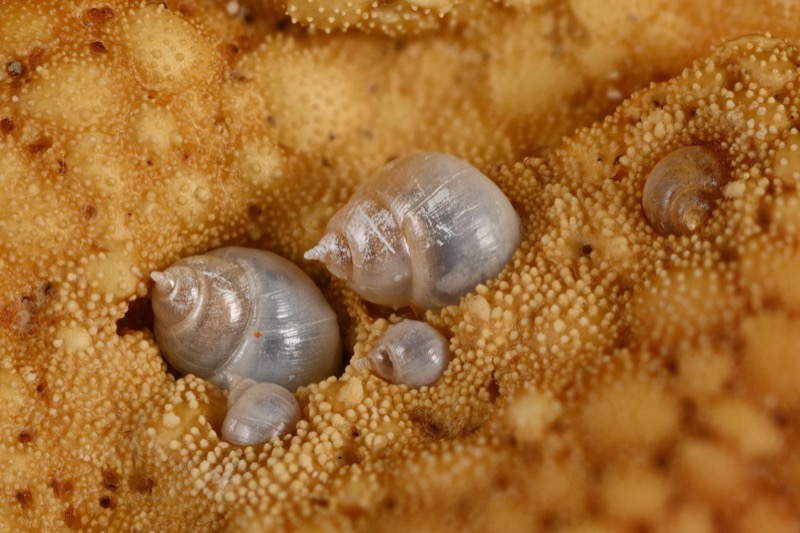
258 412
365 245
424 231
410 353
175 292
682 189
334 251
201 308
239 312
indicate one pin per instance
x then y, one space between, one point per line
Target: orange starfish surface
635 366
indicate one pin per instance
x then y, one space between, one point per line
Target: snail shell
409 353
241 312
682 189
259 411
424 231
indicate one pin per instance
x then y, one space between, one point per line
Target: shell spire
334 252
176 293
164 283
319 252
366 363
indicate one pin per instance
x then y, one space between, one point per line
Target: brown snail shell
682 190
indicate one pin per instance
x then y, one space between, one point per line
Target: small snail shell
681 190
424 231
409 353
259 411
240 312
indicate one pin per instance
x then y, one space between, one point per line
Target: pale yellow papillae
609 378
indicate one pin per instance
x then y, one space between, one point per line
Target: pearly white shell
409 353
424 231
682 189
259 411
241 312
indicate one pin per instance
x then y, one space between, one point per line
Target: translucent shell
241 312
259 411
682 189
424 231
409 353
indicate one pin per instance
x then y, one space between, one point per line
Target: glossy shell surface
241 312
425 230
258 412
410 353
682 190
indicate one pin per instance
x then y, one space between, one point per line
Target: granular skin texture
610 378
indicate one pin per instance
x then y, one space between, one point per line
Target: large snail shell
259 411
424 231
409 353
682 189
240 312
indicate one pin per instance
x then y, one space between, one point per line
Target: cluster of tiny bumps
611 377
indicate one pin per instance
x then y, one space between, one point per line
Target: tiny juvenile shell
682 189
409 353
424 231
259 411
241 312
